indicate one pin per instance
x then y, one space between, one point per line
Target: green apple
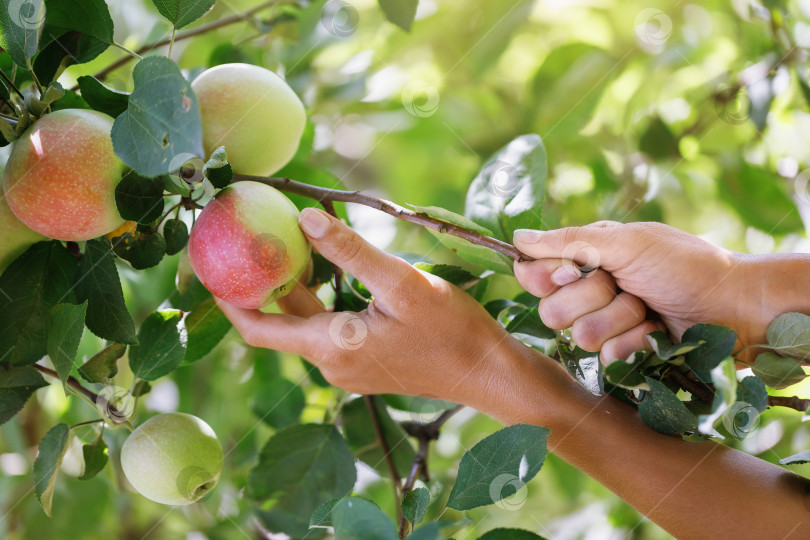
246 246
172 458
61 175
253 113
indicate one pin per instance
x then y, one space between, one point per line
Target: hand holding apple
172 458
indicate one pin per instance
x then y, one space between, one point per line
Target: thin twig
322 194
419 464
792 402
114 413
337 270
389 458
184 35
11 84
696 388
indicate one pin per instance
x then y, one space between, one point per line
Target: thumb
606 244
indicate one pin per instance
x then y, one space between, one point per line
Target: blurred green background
693 114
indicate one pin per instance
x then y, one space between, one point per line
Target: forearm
772 285
689 489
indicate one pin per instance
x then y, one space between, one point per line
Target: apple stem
323 195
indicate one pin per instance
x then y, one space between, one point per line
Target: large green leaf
182 12
64 334
498 466
160 348
103 365
752 391
101 97
761 200
400 12
52 449
206 325
35 282
778 371
279 402
139 199
299 469
362 437
358 519
718 344
17 384
664 412
509 191
20 23
162 120
509 534
789 333
97 282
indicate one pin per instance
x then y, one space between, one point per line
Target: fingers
544 276
623 345
281 332
301 302
382 273
560 309
591 331
605 244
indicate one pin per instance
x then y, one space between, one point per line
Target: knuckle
587 334
553 315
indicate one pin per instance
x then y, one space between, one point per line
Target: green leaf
95 458
778 371
358 519
175 231
159 350
724 378
206 325
510 534
752 391
174 183
64 334
300 468
141 388
585 367
718 345
528 322
796 459
790 335
760 199
36 281
456 275
138 198
182 12
162 120
666 350
101 97
429 531
17 384
658 141
358 428
400 12
415 505
664 412
141 249
98 283
509 191
103 365
279 402
498 466
322 516
20 23
52 449
217 169
625 375
74 32
453 218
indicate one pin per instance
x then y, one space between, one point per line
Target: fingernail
564 275
313 222
527 236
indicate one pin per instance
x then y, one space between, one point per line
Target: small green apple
253 113
172 458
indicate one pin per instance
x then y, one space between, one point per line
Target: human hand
684 279
420 336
